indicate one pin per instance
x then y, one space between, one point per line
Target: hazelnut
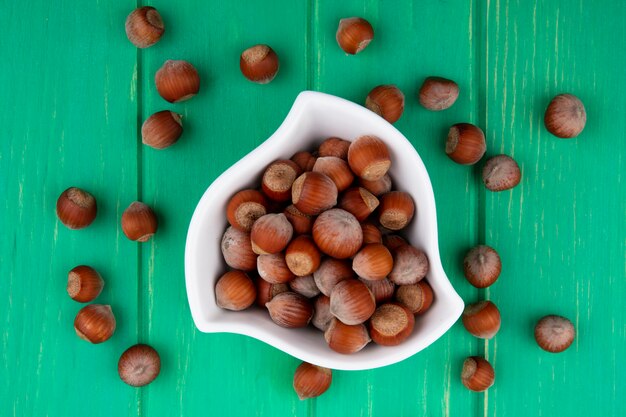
289 309
305 160
259 64
438 93
321 312
162 129
369 158
273 268
237 250
387 101
265 291
565 116
352 302
244 208
344 338
371 233
235 291
139 365
393 242
410 265
177 81
278 178
396 210
330 272
465 144
391 324
313 192
373 262
270 233
337 233
302 256
383 289
359 202
144 27
416 297
554 333
500 173
354 34
302 223
377 187
84 284
139 222
310 381
482 266
76 208
95 323
336 169
478 374
482 319
333 146
304 286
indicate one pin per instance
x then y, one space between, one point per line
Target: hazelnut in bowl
380 312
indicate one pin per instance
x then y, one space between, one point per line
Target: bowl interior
314 117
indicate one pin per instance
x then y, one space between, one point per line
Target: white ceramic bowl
314 117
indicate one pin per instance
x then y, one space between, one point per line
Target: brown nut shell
310 381
482 319
244 208
377 187
177 81
334 146
304 285
235 291
500 173
410 265
416 297
302 256
162 129
482 266
337 233
313 193
321 312
76 208
270 234
237 250
305 160
259 64
291 310
565 116
139 365
554 333
387 101
478 374
373 262
330 272
465 144
383 289
95 323
278 178
84 284
371 233
396 210
302 223
265 291
352 302
139 222
336 169
273 268
369 158
344 338
144 27
358 201
354 34
391 324
438 93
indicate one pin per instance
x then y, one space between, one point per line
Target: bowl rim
303 102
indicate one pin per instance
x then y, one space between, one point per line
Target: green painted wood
78 92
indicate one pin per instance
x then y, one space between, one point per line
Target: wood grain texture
78 91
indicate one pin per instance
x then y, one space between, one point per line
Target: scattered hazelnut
139 365
273 268
337 233
465 144
416 297
377 187
270 233
235 291
139 222
410 265
302 256
482 266
387 101
162 129
344 338
278 179
289 309
354 34
565 116
302 223
304 286
396 210
554 333
95 323
382 289
310 381
369 158
478 374
305 160
265 291
373 262
259 64
438 93
313 192
482 319
76 208
391 324
144 27
330 272
500 173
359 202
177 81
84 284
237 250
371 233
336 169
321 312
333 146
352 302
244 208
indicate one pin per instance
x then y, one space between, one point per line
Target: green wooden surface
74 91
